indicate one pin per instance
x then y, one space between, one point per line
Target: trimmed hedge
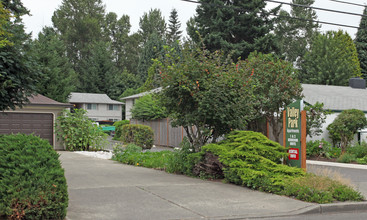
32 182
118 128
141 135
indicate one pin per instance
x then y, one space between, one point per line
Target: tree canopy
275 85
294 31
361 43
205 93
18 75
57 75
331 60
236 27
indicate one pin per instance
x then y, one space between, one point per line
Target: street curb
335 164
336 207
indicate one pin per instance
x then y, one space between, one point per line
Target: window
91 106
113 107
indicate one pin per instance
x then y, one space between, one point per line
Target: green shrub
347 158
358 150
250 159
319 148
362 160
141 135
346 126
118 128
148 107
78 132
32 182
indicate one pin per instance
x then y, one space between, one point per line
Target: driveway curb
335 207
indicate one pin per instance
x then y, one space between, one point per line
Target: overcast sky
42 11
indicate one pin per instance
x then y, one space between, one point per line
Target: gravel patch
96 154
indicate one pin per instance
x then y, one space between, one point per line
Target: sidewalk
104 189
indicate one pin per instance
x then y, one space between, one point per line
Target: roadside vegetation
342 132
244 158
78 132
32 182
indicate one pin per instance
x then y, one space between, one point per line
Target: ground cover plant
32 182
244 158
133 155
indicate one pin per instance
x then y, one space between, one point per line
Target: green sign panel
293 132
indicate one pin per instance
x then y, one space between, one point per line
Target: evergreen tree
123 82
332 60
174 32
58 77
294 33
153 49
18 72
97 70
236 27
361 43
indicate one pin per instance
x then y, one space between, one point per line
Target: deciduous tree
346 126
152 22
294 31
331 60
205 93
275 85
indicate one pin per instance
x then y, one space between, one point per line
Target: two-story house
99 107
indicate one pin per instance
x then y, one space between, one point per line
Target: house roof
76 97
143 94
43 100
336 98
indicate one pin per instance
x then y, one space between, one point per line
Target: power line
321 22
348 3
294 18
317 8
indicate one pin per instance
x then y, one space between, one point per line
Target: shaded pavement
104 189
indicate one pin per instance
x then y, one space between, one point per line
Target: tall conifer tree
236 27
361 43
174 25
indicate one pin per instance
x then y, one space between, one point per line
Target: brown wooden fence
164 133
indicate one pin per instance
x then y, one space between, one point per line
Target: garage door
27 123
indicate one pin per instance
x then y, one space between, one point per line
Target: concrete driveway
104 189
